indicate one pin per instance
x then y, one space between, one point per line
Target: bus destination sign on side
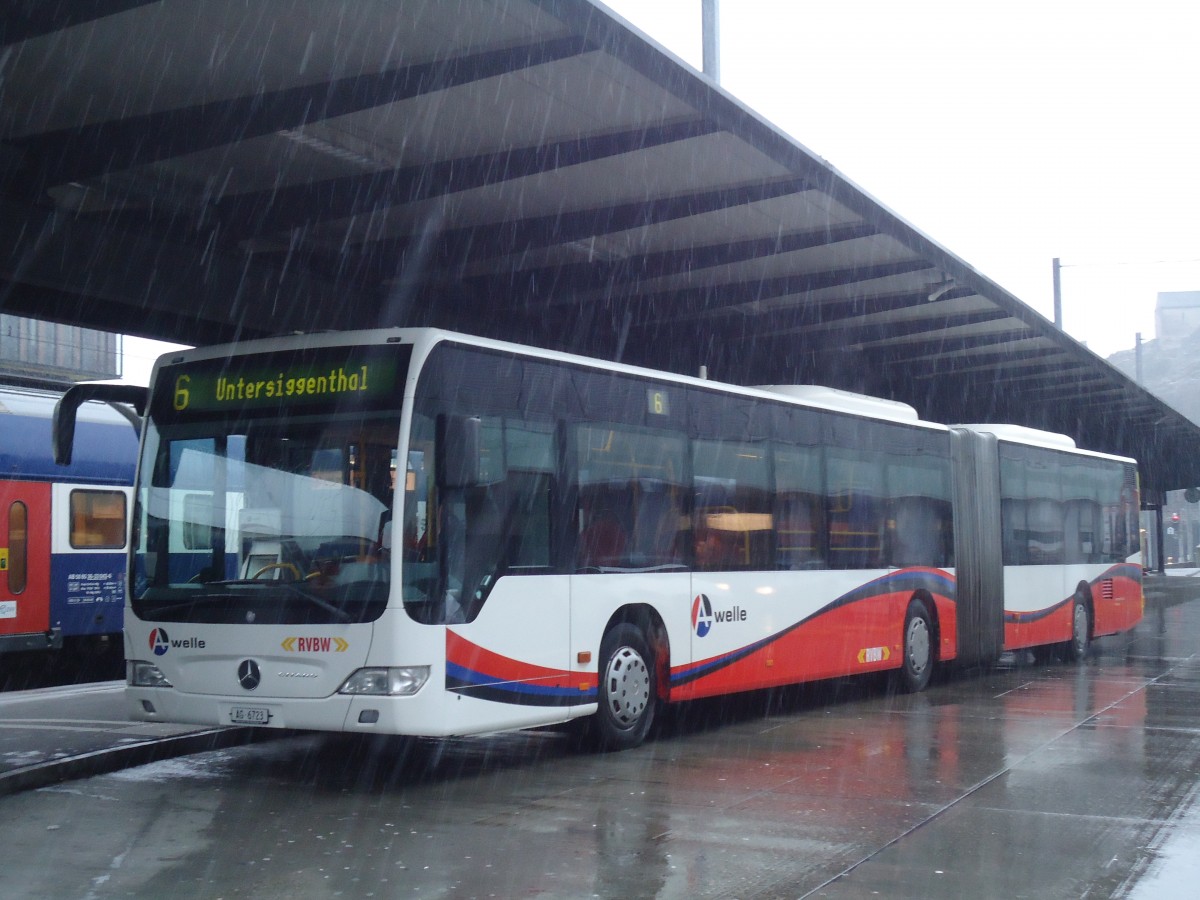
308 382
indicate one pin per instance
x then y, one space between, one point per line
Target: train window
18 543
98 520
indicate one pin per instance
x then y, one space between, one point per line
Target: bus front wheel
627 691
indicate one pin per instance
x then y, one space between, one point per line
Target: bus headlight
393 681
144 674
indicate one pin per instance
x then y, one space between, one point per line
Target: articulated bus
418 532
63 530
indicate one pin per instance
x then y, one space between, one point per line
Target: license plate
250 715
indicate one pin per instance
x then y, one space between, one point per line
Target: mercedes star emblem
248 674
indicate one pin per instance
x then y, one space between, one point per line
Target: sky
1009 132
138 356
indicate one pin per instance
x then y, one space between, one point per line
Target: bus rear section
1050 542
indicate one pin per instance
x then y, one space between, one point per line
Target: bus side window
602 541
531 454
920 530
506 522
800 532
630 490
855 507
1031 510
734 521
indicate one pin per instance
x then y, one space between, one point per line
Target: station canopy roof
532 170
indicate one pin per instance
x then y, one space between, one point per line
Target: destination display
301 382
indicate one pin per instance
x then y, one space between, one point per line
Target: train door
24 565
87 563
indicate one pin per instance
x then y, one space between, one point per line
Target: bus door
630 535
25 566
486 535
629 553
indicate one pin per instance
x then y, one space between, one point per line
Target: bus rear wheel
628 690
1081 631
917 667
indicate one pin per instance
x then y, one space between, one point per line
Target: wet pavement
1023 781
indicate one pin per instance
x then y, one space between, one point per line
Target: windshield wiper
188 599
295 588
191 601
316 601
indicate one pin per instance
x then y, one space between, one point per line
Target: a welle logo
704 617
160 643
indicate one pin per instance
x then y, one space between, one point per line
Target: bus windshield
266 520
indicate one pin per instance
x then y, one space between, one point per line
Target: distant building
1177 314
32 351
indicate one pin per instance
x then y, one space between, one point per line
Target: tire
628 692
1044 654
916 669
1081 631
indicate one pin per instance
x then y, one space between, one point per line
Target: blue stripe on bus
526 693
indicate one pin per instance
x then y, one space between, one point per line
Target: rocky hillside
1170 370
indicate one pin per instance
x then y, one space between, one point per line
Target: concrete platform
74 731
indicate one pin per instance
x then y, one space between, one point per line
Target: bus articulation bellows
416 532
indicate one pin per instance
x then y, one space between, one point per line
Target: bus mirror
62 426
460 442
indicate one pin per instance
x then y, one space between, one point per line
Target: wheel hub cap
918 645
628 682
